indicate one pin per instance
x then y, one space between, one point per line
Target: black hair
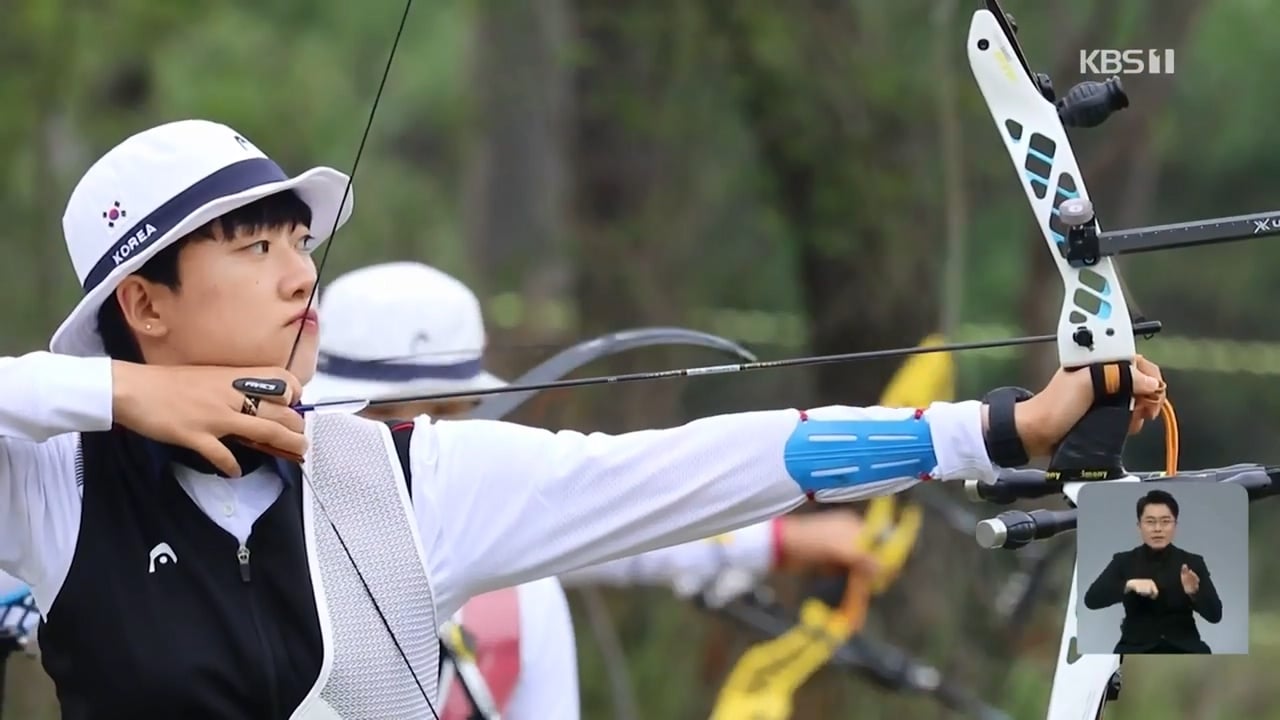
280 210
1158 497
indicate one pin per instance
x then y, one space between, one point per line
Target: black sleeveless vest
213 634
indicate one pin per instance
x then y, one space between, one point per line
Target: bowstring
324 258
346 193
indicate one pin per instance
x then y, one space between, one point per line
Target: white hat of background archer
398 329
157 187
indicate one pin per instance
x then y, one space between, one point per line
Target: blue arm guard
826 454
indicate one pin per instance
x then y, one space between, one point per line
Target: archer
311 586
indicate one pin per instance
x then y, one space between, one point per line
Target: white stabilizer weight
991 533
971 490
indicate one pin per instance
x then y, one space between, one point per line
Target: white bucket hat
398 329
157 187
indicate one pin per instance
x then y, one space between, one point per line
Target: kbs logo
1127 62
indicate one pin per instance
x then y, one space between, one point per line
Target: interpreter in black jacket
1160 585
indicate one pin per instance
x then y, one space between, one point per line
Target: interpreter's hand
1046 418
1190 581
197 407
1143 587
824 538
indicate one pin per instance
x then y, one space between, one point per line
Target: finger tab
261 387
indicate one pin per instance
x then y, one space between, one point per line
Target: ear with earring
148 327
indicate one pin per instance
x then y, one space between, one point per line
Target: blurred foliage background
804 176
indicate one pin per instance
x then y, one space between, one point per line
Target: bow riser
1094 325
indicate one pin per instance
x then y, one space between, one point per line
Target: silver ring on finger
250 405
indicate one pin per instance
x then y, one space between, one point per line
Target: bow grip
1094 447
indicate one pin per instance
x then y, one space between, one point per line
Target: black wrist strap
1004 447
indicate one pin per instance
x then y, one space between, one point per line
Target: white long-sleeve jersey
497 504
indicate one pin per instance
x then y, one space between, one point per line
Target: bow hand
824 539
1063 418
1093 449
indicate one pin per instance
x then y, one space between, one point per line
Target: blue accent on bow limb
230 180
1048 160
388 371
827 454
